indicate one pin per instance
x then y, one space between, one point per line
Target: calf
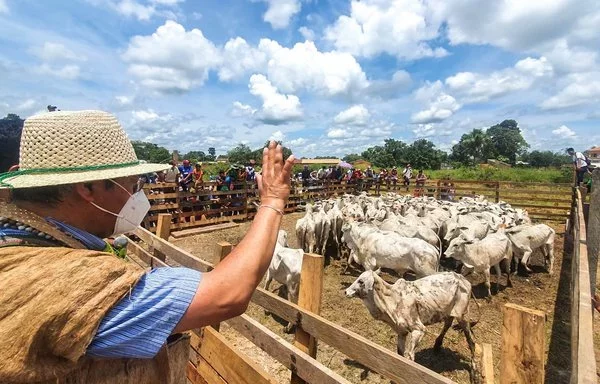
285 268
480 255
526 239
306 232
384 249
409 306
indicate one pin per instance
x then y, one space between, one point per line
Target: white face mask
132 214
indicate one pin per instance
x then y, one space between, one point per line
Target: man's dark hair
570 150
51 195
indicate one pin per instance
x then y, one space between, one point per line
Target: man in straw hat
70 311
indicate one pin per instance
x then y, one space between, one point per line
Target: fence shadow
558 367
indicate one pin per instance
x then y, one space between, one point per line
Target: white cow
526 239
285 268
375 249
305 231
336 219
322 228
409 306
419 232
480 255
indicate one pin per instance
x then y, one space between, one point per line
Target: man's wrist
274 202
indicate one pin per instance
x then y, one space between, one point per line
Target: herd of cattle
422 235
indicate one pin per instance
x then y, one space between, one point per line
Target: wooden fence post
523 345
163 230
593 229
497 192
222 249
309 298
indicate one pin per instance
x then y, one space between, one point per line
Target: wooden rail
207 205
583 360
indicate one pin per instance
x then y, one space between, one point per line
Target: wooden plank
144 255
524 205
222 249
309 298
291 357
356 347
197 231
163 230
488 364
158 196
193 375
593 227
523 345
172 251
233 366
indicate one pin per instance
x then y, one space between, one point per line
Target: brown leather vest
52 300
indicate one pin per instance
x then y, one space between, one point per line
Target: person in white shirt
580 164
407 175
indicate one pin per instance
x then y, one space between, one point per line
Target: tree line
502 141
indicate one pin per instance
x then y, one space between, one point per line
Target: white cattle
285 268
375 249
336 219
305 231
480 255
419 232
526 239
322 228
409 306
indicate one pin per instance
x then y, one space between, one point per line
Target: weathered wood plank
291 357
523 345
144 255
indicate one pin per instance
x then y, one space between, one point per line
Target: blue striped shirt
138 325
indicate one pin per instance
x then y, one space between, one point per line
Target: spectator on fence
420 179
186 171
198 176
368 178
580 164
322 173
407 175
394 176
338 173
172 174
221 184
305 176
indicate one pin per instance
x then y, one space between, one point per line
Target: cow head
457 246
362 286
282 238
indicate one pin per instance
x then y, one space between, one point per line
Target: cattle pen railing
582 245
214 360
207 205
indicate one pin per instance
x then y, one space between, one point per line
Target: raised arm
226 291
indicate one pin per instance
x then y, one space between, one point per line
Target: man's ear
84 191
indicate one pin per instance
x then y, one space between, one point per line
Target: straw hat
67 147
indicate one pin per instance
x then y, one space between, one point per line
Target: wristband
273 208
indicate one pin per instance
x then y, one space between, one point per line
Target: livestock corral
389 272
538 290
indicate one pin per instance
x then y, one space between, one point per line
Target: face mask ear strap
120 186
104 210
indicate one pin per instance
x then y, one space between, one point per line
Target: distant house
222 159
594 154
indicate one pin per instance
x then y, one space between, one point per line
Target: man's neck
62 212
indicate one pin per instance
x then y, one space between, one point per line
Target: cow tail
473 323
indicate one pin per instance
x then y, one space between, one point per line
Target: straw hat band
67 140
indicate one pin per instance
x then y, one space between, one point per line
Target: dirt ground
537 291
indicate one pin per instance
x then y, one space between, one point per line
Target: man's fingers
287 169
271 169
278 159
259 184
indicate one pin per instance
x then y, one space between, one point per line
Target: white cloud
475 87
579 89
277 136
147 116
123 100
69 72
401 28
279 12
131 8
3 6
357 115
240 58
276 108
171 59
564 132
167 2
297 142
27 105
240 110
337 133
440 105
424 131
307 33
53 52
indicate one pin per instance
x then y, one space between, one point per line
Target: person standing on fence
186 172
407 175
250 171
75 312
580 164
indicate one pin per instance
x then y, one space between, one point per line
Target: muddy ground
537 291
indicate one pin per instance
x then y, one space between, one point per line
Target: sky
325 77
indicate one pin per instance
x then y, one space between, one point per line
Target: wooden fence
214 360
583 360
543 201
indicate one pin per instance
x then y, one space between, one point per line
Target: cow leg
415 338
525 260
268 280
401 343
550 251
488 285
498 277
348 263
506 264
466 328
440 339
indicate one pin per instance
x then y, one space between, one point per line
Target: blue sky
326 77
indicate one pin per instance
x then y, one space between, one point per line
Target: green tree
397 149
473 148
195 156
151 152
422 154
378 156
545 159
241 154
507 140
352 157
10 139
212 154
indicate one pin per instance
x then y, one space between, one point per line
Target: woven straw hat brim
48 179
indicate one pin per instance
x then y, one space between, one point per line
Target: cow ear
377 272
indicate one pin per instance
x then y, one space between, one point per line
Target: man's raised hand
275 178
